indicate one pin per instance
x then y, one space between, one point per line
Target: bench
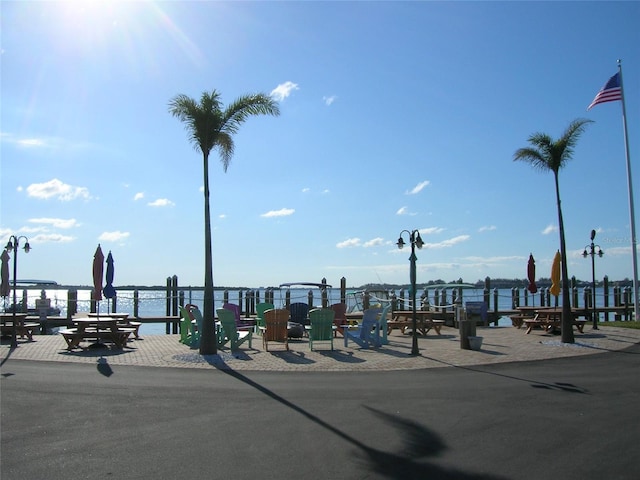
23 329
519 319
135 326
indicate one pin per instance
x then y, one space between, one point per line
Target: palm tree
548 154
211 125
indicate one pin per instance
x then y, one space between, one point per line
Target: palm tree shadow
420 444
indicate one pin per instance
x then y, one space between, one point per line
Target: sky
393 116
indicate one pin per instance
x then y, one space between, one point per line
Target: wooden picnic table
98 329
123 321
425 321
22 327
548 318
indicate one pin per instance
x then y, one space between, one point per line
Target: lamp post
592 251
416 241
14 244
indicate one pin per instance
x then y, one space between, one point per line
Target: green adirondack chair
230 332
189 335
321 326
260 309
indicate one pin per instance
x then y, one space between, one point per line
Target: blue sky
394 115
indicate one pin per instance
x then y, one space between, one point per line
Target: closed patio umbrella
531 274
4 286
109 291
98 261
555 275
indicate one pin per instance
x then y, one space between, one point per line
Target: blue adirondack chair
366 334
383 324
230 331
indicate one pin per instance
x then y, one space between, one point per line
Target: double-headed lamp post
591 250
416 241
12 245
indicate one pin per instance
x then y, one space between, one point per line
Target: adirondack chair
321 326
368 332
383 324
199 321
299 312
340 318
189 334
230 332
260 309
276 322
241 324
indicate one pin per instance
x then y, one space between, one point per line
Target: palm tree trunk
567 317
208 344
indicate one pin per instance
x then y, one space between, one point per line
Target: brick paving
500 344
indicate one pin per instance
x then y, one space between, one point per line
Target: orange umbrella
555 275
98 261
531 274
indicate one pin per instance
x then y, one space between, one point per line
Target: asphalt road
570 418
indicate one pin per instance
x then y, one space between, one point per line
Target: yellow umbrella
555 275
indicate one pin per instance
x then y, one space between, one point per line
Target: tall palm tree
548 154
211 125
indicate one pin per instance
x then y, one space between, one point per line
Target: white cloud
50 238
138 196
549 229
374 242
55 188
56 222
161 202
329 100
113 236
283 212
405 211
431 230
306 190
487 228
418 188
448 243
350 242
283 90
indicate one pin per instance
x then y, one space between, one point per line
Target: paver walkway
500 344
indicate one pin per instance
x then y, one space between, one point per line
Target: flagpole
634 251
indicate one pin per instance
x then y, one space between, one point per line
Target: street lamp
416 241
585 254
14 244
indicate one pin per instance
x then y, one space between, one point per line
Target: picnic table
123 321
98 329
425 321
22 327
547 318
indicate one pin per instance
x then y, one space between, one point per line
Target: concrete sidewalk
500 345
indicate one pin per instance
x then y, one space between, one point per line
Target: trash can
466 328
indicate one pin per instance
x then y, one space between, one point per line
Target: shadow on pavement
420 443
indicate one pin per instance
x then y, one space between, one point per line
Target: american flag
611 92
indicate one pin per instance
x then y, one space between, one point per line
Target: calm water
153 302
